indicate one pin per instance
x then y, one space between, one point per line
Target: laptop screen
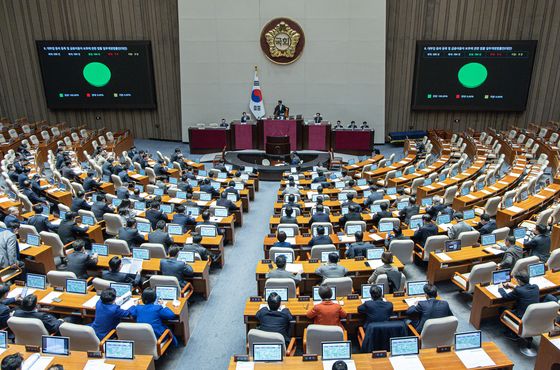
185 256
119 349
524 195
508 202
452 245
100 249
207 231
501 276
3 339
181 195
205 196
375 208
282 292
443 219
167 293
402 205
143 227
46 211
375 253
140 188
426 202
427 182
232 197
221 212
173 229
520 232
536 269
267 352
468 340
442 177
121 288
391 191
343 196
289 256
116 202
140 206
88 220
239 186
353 229
34 240
361 182
336 350
415 223
488 239
366 290
78 286
193 211
140 253
158 191
466 190
166 208
53 345
36 281
385 226
415 287
317 297
404 346
468 214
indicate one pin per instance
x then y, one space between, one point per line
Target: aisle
217 329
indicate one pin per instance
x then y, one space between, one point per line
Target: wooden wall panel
21 88
411 20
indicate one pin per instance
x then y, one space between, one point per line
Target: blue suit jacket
153 314
107 317
524 295
430 309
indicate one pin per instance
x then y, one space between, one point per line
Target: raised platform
273 172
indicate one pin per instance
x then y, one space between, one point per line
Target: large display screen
97 74
472 75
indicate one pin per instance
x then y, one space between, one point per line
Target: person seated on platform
101 206
320 215
154 214
280 271
80 261
320 178
352 125
294 159
171 267
396 234
364 125
431 308
512 253
151 313
22 177
375 310
31 194
28 310
79 202
350 202
539 245
180 218
13 213
289 218
384 213
130 234
427 229
223 123
461 226
436 207
386 269
274 320
292 202
160 236
524 293
280 110
107 314
232 190
40 221
207 187
160 170
331 269
317 118
411 210
245 117
223 201
69 231
327 312
486 225
282 243
359 247
320 238
12 362
338 125
197 247
136 195
352 215
206 221
90 183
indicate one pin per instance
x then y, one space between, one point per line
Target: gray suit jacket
8 248
282 274
331 271
454 231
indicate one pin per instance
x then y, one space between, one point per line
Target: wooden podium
278 145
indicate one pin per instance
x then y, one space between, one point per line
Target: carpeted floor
217 329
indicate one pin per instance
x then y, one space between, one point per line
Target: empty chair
100 284
25 230
261 336
82 337
449 194
112 223
58 278
156 250
480 274
317 250
26 203
118 247
501 233
438 332
343 285
314 335
151 175
145 341
54 241
433 243
282 283
13 134
414 186
490 207
27 331
523 263
469 238
553 261
403 250
117 181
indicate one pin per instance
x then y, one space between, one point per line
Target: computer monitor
193 211
366 287
141 253
290 232
468 214
174 229
282 292
231 197
3 339
339 185
88 220
361 182
427 182
62 215
536 269
402 346
385 227
508 202
468 340
480 185
454 173
452 245
239 186
391 191
402 205
192 182
342 196
221 212
77 286
442 177
119 349
185 256
140 188
344 210
353 229
426 202
116 202
140 206
208 231
325 256
520 232
181 195
398 174
466 190
351 161
205 197
409 170
142 172
143 227
488 239
166 208
415 223
523 195
158 191
443 219
222 175
46 211
36 281
34 240
289 256
501 276
332 351
53 345
167 293
100 249
374 253
415 287
375 208
202 173
317 297
267 352
215 185
121 288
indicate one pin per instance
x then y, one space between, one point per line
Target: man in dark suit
159 169
540 244
40 221
352 215
381 214
130 234
22 177
208 188
101 206
120 277
350 202
79 202
224 123
395 235
90 184
180 218
123 192
280 110
5 305
352 125
80 261
409 211
358 248
375 310
431 308
196 247
288 218
373 196
159 235
155 215
486 225
320 177
177 156
231 189
317 118
320 215
28 309
69 231
272 319
292 202
436 208
29 193
223 201
524 294
320 238
245 117
425 231
171 267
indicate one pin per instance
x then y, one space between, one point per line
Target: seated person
40 221
396 234
320 215
100 207
461 226
358 248
80 261
524 293
320 238
207 187
80 203
5 311
291 188
280 270
154 214
411 210
331 269
12 362
350 202
486 225
196 247
373 196
352 215
115 275
292 202
512 253
384 213
69 231
180 218
320 177
160 236
171 267
432 308
28 309
223 201
274 320
288 218
130 234
327 312
540 244
385 269
206 221
427 229
107 314
151 313
90 184
436 207
375 310
282 243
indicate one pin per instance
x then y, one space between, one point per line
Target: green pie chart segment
472 75
97 74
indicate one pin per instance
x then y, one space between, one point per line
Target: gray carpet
217 329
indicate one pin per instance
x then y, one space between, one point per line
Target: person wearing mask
436 207
320 238
130 234
28 310
317 118
364 125
69 231
280 110
123 192
352 125
486 225
40 221
320 178
177 156
427 229
288 218
327 312
160 236
512 253
114 274
79 202
338 125
232 190
411 210
180 218
540 244
196 247
80 261
101 206
458 228
280 270
524 294
373 196
431 308
154 214
107 314
160 170
223 201
375 310
151 313
273 319
331 269
172 267
291 188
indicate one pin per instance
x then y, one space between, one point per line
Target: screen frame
118 358
65 339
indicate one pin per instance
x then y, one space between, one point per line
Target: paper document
131 302
470 196
347 239
542 282
375 237
413 300
406 362
515 209
23 246
244 365
493 188
36 362
494 251
17 291
90 303
98 365
375 263
265 305
445 227
328 365
556 342
291 240
443 256
131 265
494 290
485 191
48 299
472 358
295 268
175 200
539 196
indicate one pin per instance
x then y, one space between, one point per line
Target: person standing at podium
245 117
280 110
224 123
317 118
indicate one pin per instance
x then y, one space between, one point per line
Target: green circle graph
97 74
472 75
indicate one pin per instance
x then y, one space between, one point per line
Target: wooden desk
525 209
549 354
381 172
39 260
214 244
431 360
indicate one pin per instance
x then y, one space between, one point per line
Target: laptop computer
33 240
443 219
53 345
282 292
468 214
404 346
185 256
77 286
121 288
452 245
143 227
100 249
335 351
385 227
427 202
174 229
119 349
415 288
415 223
374 253
141 253
167 293
36 281
468 340
366 294
501 276
208 231
488 239
267 352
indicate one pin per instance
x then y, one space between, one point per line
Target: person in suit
291 188
28 310
5 311
40 221
320 178
245 117
292 202
281 242
431 308
69 231
9 249
436 207
540 244
350 202
486 225
67 171
352 215
171 267
352 125
524 294
113 274
512 253
427 229
223 201
317 118
130 234
123 192
79 203
231 190
208 188
375 310
21 177
177 156
80 261
373 196
101 206
338 125
384 213
280 270
13 213
396 234
320 215
280 110
180 218
154 214
107 314
90 183
387 259
224 123
461 226
359 247
412 209
327 312
12 362
364 125
274 320
159 236
288 218
320 238
31 194
160 170
331 269
151 313
196 247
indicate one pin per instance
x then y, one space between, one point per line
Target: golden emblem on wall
282 40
